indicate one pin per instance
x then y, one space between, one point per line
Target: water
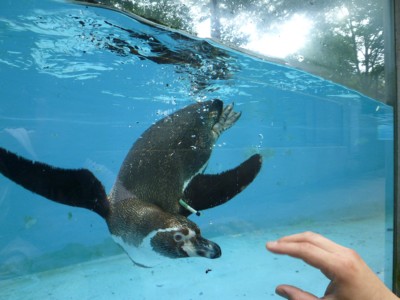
79 85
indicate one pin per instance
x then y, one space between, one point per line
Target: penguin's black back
167 155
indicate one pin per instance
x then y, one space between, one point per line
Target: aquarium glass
79 84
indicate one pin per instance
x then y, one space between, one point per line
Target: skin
351 278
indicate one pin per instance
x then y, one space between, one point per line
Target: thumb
293 293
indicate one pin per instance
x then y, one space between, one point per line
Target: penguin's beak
208 249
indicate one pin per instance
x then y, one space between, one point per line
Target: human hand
351 278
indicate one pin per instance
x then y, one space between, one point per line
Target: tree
348 47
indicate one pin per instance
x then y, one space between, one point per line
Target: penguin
161 182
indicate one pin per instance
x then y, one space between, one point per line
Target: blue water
74 95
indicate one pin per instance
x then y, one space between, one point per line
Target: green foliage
349 50
172 14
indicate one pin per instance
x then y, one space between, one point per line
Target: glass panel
339 40
79 85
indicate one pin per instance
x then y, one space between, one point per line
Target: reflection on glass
340 40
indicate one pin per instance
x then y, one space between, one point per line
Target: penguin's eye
178 237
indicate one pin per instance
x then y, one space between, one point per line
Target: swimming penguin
160 183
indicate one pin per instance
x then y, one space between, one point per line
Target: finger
311 254
330 289
293 293
315 239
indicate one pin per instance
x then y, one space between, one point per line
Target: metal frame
392 63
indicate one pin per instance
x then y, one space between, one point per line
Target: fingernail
282 293
272 244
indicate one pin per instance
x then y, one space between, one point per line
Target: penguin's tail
74 187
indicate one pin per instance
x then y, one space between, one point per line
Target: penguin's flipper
206 191
67 186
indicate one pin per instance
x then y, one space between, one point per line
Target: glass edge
392 57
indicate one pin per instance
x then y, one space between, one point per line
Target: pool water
79 85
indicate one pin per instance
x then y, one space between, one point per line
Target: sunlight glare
203 29
288 38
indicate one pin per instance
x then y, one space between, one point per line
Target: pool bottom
246 270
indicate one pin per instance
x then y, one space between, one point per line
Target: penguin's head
184 240
150 235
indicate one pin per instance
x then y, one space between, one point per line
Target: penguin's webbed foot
226 120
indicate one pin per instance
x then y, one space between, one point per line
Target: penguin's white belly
143 255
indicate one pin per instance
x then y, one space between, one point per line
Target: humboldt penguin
160 183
